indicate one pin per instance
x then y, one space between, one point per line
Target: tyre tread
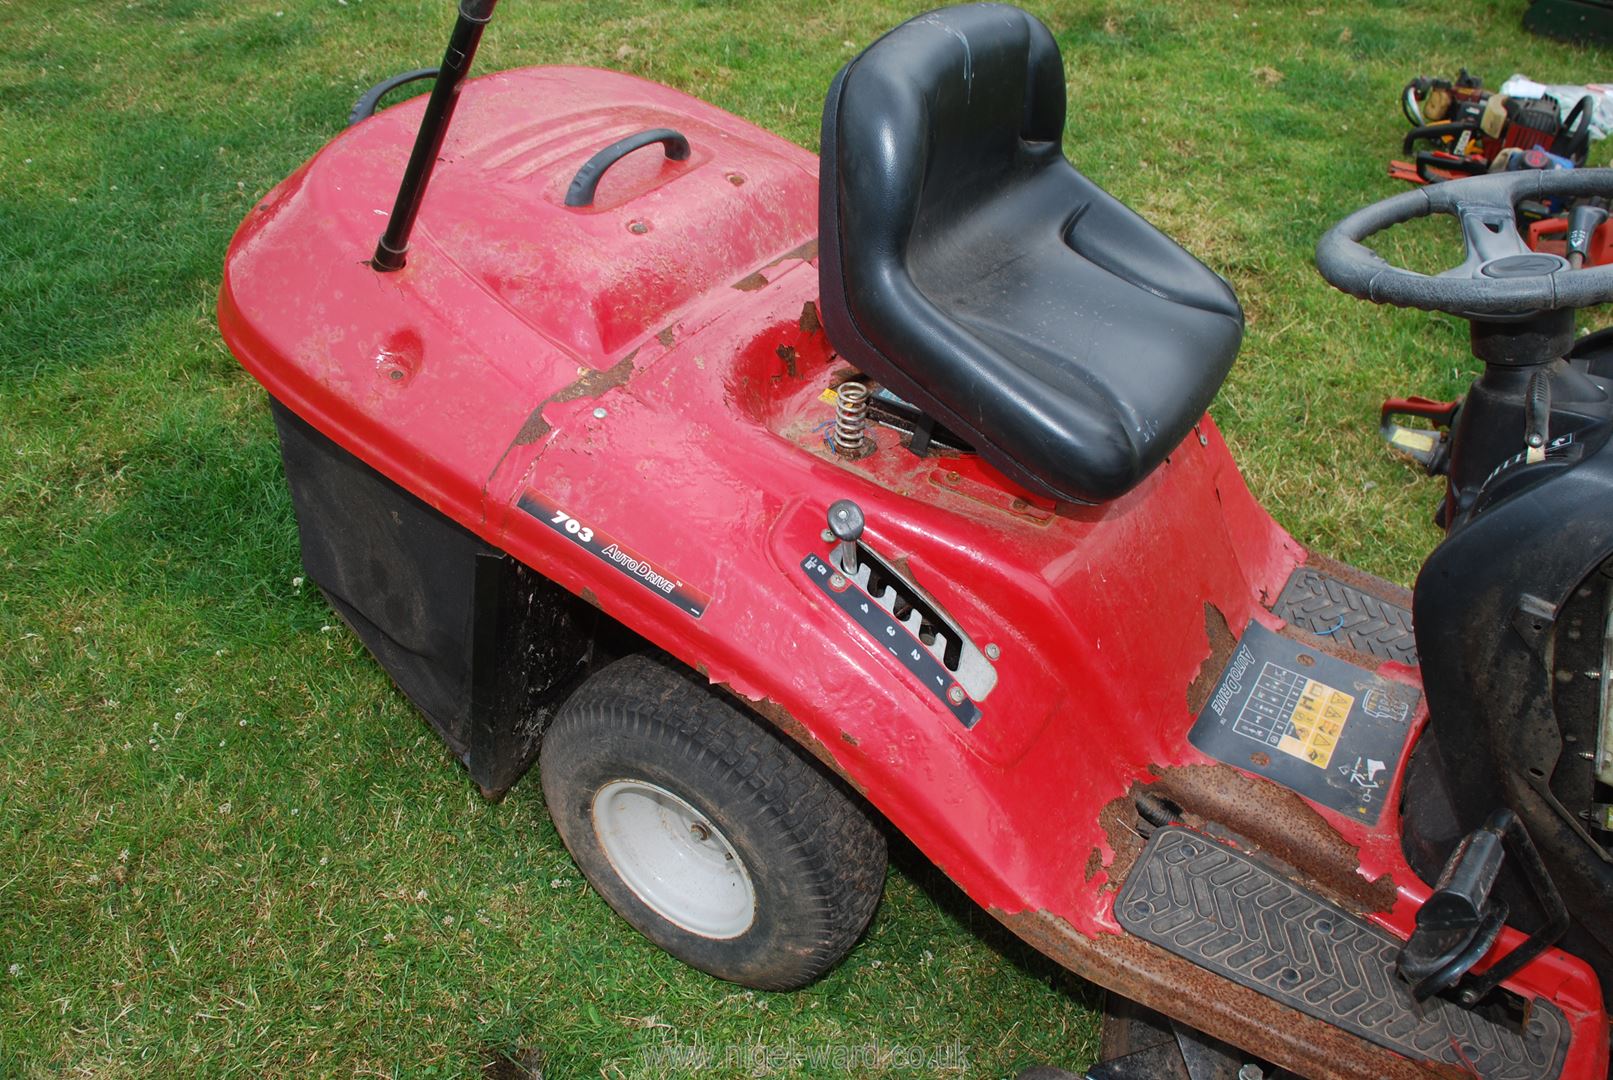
841 847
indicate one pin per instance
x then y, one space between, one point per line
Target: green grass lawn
227 844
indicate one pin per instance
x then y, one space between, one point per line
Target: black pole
392 251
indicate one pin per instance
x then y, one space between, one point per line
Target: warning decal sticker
1327 729
1298 716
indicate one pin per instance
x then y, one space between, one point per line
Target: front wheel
719 841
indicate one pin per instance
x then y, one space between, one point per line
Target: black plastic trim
584 184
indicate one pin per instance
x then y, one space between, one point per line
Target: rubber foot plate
1218 908
1328 607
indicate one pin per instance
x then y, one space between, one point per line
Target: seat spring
851 419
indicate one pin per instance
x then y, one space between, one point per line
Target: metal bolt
394 374
992 652
837 580
1251 1071
700 831
599 413
955 695
828 537
638 228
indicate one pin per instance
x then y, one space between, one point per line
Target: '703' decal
571 525
598 544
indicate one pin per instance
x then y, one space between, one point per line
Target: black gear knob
846 520
846 523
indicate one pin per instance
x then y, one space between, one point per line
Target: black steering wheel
1500 275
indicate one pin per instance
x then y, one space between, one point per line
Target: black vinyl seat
972 270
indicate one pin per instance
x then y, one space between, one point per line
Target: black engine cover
1489 611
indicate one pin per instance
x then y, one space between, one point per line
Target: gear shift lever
846 523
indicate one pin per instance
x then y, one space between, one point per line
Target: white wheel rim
678 863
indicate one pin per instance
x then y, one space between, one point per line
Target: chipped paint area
589 384
1261 817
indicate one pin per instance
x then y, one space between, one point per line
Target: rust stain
589 597
848 738
1160 980
592 384
666 337
786 353
809 318
752 282
806 251
1260 757
1222 642
1119 820
1264 818
985 494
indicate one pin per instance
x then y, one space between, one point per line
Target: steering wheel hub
1535 264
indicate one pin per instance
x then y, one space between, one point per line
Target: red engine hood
505 284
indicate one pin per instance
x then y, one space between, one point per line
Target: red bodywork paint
653 364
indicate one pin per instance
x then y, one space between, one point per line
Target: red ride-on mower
771 496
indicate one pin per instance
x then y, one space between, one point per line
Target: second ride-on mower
771 495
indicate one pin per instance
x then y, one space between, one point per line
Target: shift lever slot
907 602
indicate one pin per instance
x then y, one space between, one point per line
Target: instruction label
1325 728
1294 714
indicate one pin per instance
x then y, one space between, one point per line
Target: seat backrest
972 270
970 96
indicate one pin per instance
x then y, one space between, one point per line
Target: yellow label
1414 440
1317 722
829 395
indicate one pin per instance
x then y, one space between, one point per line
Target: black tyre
717 839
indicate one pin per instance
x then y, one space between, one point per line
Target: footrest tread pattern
1222 910
1324 605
